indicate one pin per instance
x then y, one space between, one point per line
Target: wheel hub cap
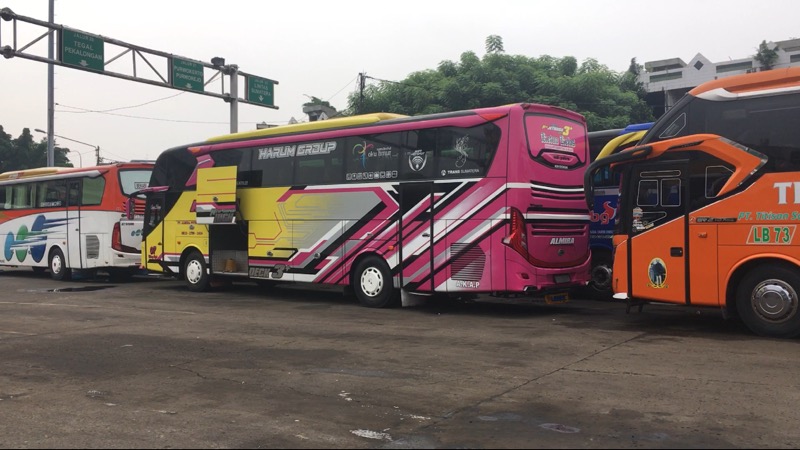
194 271
372 281
774 301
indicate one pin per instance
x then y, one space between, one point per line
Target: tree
494 44
23 153
607 99
766 57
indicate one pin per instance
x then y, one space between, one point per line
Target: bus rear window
134 180
556 141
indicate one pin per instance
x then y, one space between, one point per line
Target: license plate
551 299
561 279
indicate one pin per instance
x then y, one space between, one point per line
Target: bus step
631 303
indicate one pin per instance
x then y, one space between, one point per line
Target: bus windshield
131 181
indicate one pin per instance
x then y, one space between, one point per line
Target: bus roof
339 122
48 171
757 81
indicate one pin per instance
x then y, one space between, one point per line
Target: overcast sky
318 48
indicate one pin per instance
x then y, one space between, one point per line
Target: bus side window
74 193
648 193
51 194
22 196
93 191
5 197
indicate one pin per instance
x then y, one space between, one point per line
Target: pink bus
485 202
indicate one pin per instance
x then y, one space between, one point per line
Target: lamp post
80 158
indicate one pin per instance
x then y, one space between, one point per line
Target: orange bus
710 219
73 219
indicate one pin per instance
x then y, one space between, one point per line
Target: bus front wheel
767 301
372 283
58 266
195 272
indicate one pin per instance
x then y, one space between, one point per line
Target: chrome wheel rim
371 281
194 271
774 301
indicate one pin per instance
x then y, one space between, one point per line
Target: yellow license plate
551 299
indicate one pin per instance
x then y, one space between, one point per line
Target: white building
667 80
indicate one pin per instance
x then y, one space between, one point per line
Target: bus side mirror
130 208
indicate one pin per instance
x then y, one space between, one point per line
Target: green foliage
607 99
494 44
315 101
23 153
766 56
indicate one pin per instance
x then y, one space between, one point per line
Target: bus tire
58 266
372 283
600 283
767 301
195 272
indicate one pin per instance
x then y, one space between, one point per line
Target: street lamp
80 158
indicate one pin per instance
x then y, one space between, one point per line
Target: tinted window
416 157
275 164
93 191
52 194
22 195
319 162
373 157
766 124
5 197
463 152
240 157
174 168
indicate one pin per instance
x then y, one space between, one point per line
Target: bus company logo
31 240
604 217
563 130
562 241
361 152
462 147
288 151
417 160
657 273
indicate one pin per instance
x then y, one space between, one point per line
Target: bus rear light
518 235
491 117
116 241
116 238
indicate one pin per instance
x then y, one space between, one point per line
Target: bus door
216 195
658 215
153 244
75 257
416 236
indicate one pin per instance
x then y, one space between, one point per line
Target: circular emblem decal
657 272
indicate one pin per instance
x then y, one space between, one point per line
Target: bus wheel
767 301
195 272
58 266
600 284
372 283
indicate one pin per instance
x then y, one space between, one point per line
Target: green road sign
260 90
82 50
187 75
